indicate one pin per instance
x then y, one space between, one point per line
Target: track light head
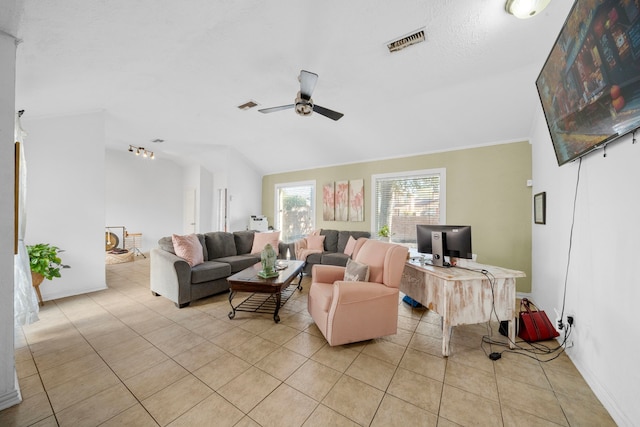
141 150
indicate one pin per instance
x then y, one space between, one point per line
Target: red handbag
534 325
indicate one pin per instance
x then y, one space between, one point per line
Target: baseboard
11 397
602 393
59 295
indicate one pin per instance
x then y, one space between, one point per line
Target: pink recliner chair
349 312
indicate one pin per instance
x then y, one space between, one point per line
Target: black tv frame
589 86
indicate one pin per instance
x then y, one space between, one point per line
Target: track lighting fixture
141 150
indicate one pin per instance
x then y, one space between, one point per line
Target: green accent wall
486 188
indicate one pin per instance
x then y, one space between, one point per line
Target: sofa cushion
188 248
314 258
351 245
240 262
337 258
166 244
260 240
244 241
315 243
330 240
356 271
220 244
343 238
209 270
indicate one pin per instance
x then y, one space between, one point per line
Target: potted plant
384 233
44 263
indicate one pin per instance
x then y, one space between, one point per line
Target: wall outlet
570 319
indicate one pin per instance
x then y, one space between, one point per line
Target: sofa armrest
323 273
170 276
358 292
282 250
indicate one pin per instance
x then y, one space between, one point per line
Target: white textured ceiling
178 70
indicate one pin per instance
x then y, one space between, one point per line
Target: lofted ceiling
178 70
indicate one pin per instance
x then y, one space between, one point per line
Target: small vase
384 239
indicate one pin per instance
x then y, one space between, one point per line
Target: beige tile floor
124 357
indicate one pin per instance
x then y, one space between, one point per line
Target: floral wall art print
328 202
342 201
356 200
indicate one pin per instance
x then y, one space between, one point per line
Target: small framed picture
540 208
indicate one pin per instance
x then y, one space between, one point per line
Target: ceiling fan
304 104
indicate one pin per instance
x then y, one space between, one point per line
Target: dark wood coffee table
276 288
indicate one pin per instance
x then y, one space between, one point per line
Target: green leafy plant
384 231
44 260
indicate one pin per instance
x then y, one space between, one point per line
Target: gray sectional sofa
334 244
224 254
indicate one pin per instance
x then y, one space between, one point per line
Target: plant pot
37 279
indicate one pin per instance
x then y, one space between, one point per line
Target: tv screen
456 239
589 86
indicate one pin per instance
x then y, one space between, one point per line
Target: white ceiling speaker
524 9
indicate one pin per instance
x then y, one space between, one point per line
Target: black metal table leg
276 318
300 281
232 313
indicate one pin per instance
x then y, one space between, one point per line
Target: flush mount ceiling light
524 9
141 150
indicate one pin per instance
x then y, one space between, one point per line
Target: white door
189 211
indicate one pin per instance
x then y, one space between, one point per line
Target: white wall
143 195
244 187
245 192
602 289
9 390
65 197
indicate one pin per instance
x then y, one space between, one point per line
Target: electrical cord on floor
532 349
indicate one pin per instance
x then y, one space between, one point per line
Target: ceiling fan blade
327 113
308 82
274 109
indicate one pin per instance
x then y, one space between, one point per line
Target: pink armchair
349 312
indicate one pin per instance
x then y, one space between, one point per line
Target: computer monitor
456 239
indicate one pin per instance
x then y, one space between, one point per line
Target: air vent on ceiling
247 105
405 41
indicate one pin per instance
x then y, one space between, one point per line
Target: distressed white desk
463 296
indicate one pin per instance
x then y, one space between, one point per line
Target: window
295 209
403 200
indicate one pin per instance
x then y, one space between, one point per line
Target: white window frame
442 172
278 187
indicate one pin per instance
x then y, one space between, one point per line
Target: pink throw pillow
350 246
260 240
315 242
188 248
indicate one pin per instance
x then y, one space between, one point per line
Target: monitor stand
437 248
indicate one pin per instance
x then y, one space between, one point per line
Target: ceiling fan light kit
304 105
524 9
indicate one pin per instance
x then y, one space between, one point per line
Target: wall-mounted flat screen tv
590 84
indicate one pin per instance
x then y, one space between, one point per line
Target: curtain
25 301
